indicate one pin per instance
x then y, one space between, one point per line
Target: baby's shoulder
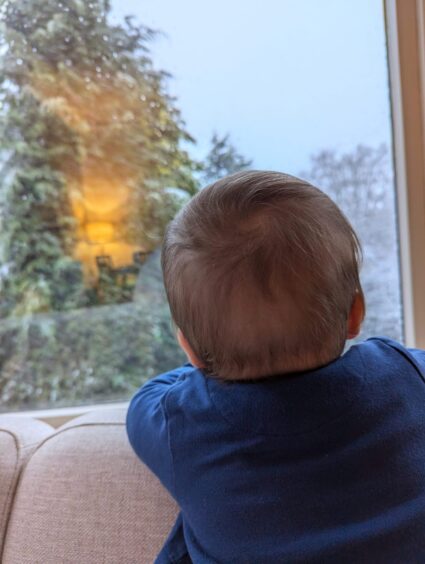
387 355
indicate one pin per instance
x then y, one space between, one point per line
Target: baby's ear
184 343
356 316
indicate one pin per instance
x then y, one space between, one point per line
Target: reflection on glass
95 160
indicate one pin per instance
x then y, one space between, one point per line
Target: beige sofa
78 494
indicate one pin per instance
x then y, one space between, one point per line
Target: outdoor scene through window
113 114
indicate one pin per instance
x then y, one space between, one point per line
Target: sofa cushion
18 438
84 497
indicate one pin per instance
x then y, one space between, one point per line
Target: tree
361 183
82 108
37 225
223 159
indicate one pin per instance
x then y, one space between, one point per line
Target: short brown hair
261 270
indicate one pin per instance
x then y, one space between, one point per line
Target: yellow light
100 232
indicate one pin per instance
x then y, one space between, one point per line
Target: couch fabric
85 498
18 438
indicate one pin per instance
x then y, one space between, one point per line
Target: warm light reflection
100 232
86 253
97 109
106 198
100 199
100 206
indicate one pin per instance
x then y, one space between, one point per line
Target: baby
277 447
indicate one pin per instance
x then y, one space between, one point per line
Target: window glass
113 114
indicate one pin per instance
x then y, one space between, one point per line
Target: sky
285 78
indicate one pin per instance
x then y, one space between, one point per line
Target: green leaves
84 103
81 357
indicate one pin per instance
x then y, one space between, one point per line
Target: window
110 123
406 37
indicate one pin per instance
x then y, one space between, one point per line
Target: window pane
109 124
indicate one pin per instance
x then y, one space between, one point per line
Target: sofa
78 494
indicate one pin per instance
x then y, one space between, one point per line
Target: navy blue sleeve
419 356
147 425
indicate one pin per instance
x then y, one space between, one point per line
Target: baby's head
261 271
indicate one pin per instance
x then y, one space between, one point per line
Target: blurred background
113 114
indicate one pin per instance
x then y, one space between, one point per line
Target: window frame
405 32
405 27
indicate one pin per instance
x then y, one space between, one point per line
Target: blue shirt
324 466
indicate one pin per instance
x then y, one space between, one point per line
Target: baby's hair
261 270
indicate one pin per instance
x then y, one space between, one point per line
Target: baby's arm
147 425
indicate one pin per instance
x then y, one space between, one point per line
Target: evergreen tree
37 223
223 159
81 100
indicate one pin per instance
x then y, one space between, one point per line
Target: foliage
361 183
37 224
223 159
82 102
86 356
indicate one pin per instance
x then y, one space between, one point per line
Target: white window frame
405 22
405 26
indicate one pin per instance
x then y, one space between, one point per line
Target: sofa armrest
85 497
19 436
